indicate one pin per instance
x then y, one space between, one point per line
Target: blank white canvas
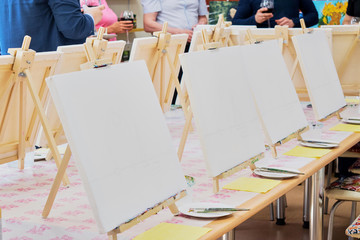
274 93
119 140
318 68
224 112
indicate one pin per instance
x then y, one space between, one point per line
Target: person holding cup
352 15
285 13
109 19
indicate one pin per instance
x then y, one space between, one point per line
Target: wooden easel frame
170 203
92 46
72 60
344 61
284 34
218 38
297 64
23 61
94 49
248 163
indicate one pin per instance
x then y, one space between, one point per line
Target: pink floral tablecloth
23 193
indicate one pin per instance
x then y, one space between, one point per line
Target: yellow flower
344 7
326 9
338 7
325 20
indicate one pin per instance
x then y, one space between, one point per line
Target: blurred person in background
50 23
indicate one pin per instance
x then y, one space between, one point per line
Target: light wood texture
346 52
163 69
320 74
19 120
130 145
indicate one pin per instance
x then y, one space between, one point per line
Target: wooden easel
296 135
282 34
170 203
22 76
345 43
248 163
94 49
218 38
74 58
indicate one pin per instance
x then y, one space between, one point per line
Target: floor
260 226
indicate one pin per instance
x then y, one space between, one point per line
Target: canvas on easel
122 148
273 91
94 54
346 52
318 68
73 56
22 100
288 50
224 113
161 54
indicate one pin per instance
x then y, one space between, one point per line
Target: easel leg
113 234
177 86
56 184
293 69
174 209
44 123
5 118
162 81
346 59
155 61
22 124
216 186
184 135
273 151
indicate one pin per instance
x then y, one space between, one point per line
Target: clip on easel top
23 57
163 38
303 26
95 48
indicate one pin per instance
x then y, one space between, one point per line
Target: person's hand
189 32
120 27
95 12
261 16
285 22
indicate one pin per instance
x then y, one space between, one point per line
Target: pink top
108 18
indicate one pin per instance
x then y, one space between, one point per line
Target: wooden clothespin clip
95 48
24 57
303 26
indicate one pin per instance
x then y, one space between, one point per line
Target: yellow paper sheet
352 100
170 231
299 151
252 185
346 128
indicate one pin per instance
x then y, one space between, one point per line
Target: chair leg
328 180
353 215
271 206
331 218
306 204
280 211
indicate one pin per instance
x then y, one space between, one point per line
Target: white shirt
181 14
